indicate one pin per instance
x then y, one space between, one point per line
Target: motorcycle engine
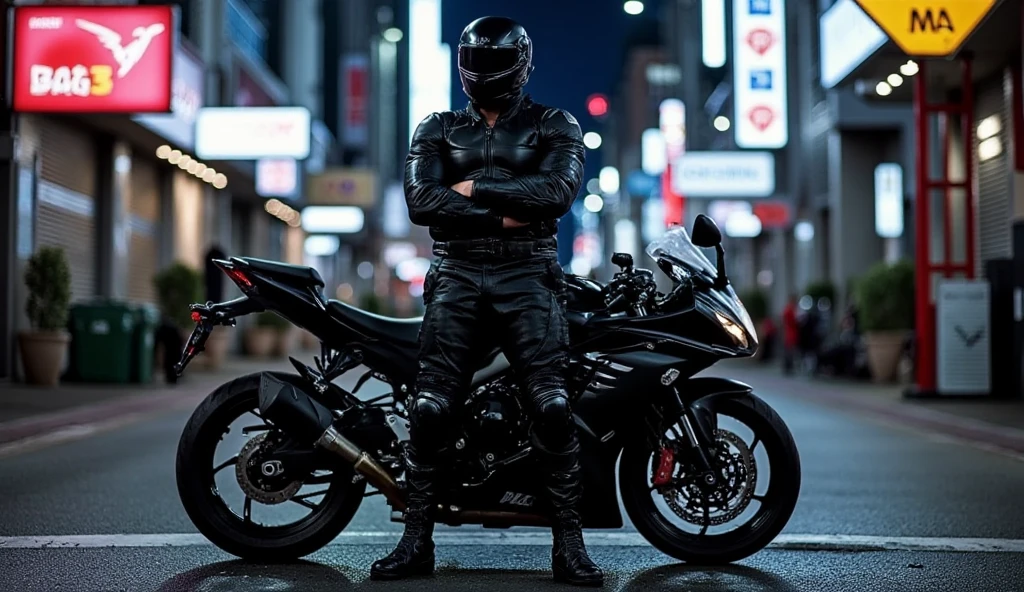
494 422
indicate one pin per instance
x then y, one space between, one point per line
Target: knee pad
551 415
429 418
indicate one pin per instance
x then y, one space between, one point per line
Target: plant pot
42 355
217 345
310 342
884 349
259 341
285 342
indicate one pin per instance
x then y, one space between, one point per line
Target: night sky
577 48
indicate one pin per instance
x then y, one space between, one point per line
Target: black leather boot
569 560
414 555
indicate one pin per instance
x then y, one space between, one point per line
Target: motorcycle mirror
623 260
706 233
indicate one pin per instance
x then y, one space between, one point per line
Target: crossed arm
493 203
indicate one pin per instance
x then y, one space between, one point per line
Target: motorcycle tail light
238 276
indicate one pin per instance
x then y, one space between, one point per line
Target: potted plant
822 290
286 337
178 286
885 295
43 348
261 339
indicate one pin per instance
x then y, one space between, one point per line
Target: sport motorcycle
694 487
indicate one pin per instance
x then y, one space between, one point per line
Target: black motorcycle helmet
495 60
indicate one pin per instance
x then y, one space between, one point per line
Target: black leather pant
506 294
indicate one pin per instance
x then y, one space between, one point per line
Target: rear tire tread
215 526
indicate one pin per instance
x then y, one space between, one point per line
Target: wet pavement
860 477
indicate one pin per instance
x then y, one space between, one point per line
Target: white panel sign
252 133
964 338
889 200
277 177
848 37
759 70
724 174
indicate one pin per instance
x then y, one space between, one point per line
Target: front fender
699 396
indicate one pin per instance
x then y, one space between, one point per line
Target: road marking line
792 542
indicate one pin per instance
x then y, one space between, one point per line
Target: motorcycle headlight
738 334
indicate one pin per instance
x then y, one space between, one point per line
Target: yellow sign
928 28
343 187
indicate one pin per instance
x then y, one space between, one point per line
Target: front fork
699 434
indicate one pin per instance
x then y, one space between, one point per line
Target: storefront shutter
66 203
995 205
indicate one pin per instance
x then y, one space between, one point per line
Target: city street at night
882 507
508 295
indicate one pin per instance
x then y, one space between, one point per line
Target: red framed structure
927 270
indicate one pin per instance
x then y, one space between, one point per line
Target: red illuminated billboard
93 59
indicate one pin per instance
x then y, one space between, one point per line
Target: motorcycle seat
291 273
404 331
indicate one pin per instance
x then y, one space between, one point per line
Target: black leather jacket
529 167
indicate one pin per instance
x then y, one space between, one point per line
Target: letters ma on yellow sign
928 28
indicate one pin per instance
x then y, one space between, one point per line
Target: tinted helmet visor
482 63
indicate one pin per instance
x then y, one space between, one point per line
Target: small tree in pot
177 287
263 337
48 279
885 296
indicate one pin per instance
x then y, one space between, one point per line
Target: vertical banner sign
759 70
355 100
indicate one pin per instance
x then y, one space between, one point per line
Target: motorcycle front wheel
236 531
698 509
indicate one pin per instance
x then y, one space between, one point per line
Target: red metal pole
924 319
969 190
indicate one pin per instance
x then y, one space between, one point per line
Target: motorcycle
642 415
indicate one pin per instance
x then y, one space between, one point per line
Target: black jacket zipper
487 149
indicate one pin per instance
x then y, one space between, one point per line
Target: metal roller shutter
66 212
995 199
144 222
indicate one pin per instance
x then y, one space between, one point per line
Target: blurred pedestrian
518 166
791 334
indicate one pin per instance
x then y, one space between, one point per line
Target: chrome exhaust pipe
364 464
298 413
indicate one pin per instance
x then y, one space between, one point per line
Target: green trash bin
147 318
101 341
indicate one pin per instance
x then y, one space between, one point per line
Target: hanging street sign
928 28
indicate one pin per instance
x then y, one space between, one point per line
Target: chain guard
249 463
737 475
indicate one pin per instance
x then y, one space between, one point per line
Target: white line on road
797 542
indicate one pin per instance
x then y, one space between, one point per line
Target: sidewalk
992 423
29 413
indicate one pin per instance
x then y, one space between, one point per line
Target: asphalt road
859 478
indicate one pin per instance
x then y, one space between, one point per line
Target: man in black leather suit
491 182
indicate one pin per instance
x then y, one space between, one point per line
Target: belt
493 247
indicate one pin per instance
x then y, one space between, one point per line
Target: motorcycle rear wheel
717 549
211 515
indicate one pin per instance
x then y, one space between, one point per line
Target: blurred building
125 195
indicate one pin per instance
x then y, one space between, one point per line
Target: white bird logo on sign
126 56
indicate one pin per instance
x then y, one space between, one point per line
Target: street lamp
592 140
633 7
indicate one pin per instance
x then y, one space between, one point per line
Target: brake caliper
666 464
